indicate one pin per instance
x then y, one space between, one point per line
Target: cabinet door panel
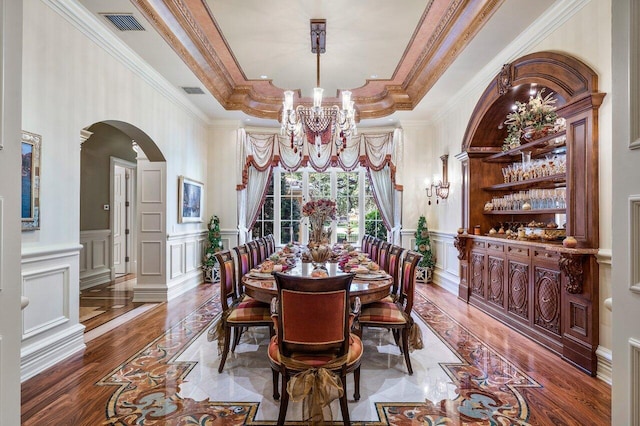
518 285
496 281
546 299
477 274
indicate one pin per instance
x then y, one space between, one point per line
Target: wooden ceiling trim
443 32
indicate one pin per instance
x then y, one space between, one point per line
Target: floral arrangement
319 211
535 116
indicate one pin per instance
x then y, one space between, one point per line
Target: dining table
369 287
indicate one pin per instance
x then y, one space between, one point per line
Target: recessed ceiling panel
272 38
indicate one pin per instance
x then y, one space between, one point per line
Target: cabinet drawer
518 250
478 244
495 247
545 254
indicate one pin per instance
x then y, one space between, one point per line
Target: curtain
379 153
259 152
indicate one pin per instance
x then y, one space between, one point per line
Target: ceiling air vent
193 90
124 21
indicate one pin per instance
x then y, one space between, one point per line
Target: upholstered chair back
227 278
255 253
313 314
271 244
407 288
262 249
383 255
243 264
366 242
393 268
374 249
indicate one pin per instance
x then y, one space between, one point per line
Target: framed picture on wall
30 181
190 200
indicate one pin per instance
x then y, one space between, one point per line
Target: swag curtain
259 153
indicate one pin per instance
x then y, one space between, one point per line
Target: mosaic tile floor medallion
174 380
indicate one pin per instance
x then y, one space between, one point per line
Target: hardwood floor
102 303
67 394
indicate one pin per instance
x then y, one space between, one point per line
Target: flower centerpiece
318 212
530 120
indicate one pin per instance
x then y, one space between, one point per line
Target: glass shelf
545 182
526 212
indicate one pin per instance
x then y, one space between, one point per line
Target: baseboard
158 293
604 364
97 277
45 353
446 280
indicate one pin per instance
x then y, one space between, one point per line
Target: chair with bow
313 348
396 315
239 311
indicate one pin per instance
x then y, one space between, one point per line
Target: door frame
131 167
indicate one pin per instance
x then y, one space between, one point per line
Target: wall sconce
442 187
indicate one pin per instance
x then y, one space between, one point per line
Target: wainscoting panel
151 222
152 188
634 243
95 258
50 329
151 258
447 264
192 255
176 260
48 293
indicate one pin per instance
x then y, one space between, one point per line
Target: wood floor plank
68 392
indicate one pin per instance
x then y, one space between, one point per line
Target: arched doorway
113 156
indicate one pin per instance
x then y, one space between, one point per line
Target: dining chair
239 311
262 249
393 268
313 336
271 244
397 315
255 253
383 255
366 242
374 249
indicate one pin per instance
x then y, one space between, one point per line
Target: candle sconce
442 186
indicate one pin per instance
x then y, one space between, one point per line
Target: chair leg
396 337
405 346
356 384
284 401
237 331
225 350
275 381
344 407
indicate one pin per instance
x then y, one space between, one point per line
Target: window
281 213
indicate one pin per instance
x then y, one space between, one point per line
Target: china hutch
513 264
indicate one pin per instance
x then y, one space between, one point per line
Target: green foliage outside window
373 225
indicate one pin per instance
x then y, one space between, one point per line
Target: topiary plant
423 244
214 245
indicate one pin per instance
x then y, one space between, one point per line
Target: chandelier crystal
318 124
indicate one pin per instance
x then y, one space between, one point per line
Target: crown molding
92 28
548 22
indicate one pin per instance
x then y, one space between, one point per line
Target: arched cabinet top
570 79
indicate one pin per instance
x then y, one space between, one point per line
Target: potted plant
210 266
424 271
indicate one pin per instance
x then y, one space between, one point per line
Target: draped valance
371 150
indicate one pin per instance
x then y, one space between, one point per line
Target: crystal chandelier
318 124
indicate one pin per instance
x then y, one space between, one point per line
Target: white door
10 238
119 212
625 271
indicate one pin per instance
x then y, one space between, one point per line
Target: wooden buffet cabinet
539 288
